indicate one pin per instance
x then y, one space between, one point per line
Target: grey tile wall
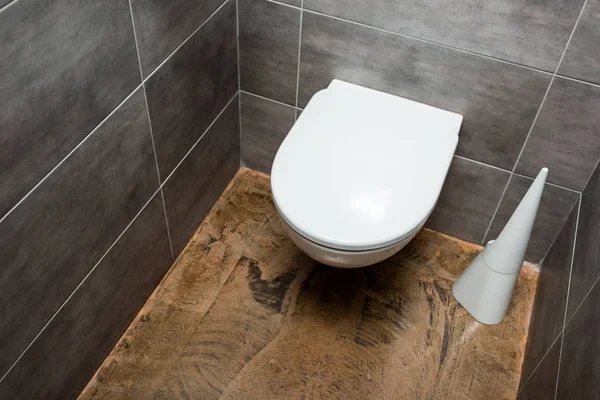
525 32
64 66
161 26
493 62
554 209
264 126
468 199
582 59
71 71
96 315
57 234
565 137
192 87
269 34
202 176
542 384
586 264
578 319
550 301
580 365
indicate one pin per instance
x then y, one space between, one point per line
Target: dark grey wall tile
269 35
64 66
586 263
548 312
63 359
526 32
57 234
264 126
565 137
161 26
554 209
582 59
468 200
198 182
192 87
498 100
580 365
542 384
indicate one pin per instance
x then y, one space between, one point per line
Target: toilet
360 172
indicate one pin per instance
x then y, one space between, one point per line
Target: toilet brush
485 288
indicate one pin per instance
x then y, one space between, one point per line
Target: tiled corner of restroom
495 70
561 352
97 98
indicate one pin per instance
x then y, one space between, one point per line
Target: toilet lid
362 169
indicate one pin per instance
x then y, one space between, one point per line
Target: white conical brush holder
485 288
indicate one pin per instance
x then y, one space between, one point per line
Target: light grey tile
64 358
548 311
198 182
187 93
582 59
64 66
56 235
264 126
580 364
269 36
498 100
542 384
565 137
468 200
161 26
554 209
526 32
586 263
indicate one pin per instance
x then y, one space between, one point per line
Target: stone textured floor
243 314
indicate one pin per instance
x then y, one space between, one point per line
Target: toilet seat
361 169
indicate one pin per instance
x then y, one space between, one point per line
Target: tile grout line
540 362
85 139
496 210
186 40
582 301
562 341
237 27
299 54
137 49
80 284
268 99
105 118
200 138
7 5
578 80
283 4
547 183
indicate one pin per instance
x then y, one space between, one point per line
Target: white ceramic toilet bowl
345 258
360 172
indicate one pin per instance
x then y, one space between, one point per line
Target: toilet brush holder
485 288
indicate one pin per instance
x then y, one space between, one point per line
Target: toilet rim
362 249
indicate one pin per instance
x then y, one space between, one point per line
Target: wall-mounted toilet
360 172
